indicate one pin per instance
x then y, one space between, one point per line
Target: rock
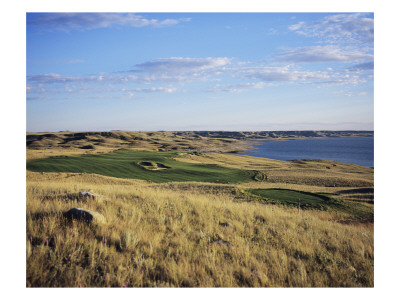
84 215
85 195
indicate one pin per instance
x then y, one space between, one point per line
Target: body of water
350 150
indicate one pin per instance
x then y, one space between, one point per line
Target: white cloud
181 64
171 70
340 27
237 88
349 94
281 74
297 26
74 61
362 67
179 69
156 90
53 78
35 98
224 89
327 53
86 21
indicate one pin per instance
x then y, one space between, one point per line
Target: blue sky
200 71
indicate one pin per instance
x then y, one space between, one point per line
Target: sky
199 71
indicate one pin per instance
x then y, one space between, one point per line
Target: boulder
81 214
86 195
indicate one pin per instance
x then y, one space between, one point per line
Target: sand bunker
152 166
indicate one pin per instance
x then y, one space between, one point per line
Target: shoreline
253 141
39 145
254 149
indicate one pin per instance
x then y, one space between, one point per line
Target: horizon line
215 130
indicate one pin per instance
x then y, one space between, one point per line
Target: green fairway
314 201
290 197
126 164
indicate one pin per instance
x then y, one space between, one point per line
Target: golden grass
32 154
42 145
170 235
80 178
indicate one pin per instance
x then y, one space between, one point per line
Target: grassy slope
307 172
311 173
321 201
100 142
124 164
290 198
168 235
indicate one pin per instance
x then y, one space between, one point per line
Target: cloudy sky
200 71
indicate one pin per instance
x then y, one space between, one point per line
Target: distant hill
274 134
171 140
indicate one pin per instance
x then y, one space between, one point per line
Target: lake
350 150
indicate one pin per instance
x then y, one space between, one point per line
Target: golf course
171 209
127 164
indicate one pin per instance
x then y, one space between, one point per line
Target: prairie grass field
206 220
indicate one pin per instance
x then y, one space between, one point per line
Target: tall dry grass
167 235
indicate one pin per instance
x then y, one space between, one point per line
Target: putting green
291 198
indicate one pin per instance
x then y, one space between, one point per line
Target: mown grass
172 235
125 164
321 201
291 198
